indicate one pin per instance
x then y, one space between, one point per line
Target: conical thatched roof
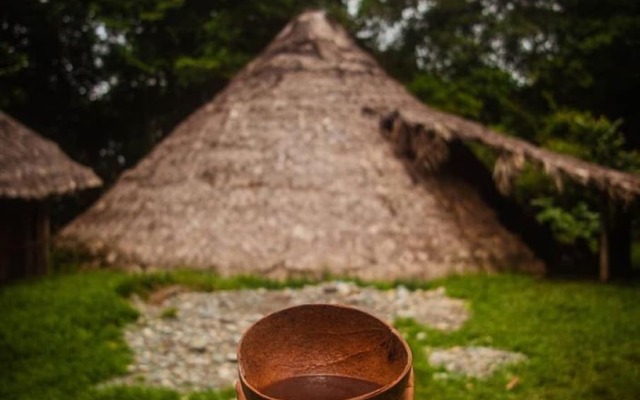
32 167
283 173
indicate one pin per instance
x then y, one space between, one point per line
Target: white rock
476 362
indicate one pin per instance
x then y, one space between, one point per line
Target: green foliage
592 139
448 96
135 393
190 70
145 393
569 226
593 67
575 216
169 313
511 64
59 336
581 340
485 94
144 284
160 9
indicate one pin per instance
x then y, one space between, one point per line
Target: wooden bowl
323 351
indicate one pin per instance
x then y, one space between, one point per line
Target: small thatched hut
286 172
32 169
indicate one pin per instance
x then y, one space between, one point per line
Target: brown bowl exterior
323 339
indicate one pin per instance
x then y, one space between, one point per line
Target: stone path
475 362
187 341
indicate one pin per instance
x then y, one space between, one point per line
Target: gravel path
475 362
187 341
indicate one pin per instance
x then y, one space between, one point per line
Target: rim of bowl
368 395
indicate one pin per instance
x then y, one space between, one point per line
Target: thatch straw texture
283 174
620 186
32 167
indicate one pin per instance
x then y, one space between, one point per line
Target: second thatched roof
424 126
33 168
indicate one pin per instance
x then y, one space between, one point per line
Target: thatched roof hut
32 169
285 172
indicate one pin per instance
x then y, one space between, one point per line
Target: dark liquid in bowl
319 387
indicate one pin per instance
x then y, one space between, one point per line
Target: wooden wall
24 239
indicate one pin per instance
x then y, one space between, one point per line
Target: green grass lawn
61 336
582 339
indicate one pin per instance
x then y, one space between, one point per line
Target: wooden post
47 238
41 239
5 242
605 267
620 242
28 240
615 240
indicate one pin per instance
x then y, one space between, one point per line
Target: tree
107 79
538 55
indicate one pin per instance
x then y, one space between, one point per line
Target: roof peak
311 41
315 25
